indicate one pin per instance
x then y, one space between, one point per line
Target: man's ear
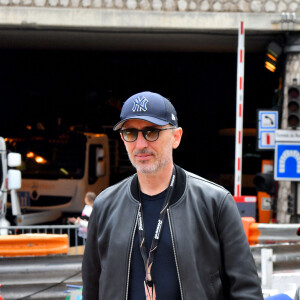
177 137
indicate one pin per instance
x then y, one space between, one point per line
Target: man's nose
141 142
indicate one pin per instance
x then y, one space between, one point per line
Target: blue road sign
267 125
287 161
268 119
266 139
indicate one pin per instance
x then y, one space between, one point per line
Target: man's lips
143 156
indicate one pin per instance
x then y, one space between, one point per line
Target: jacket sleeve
91 264
239 268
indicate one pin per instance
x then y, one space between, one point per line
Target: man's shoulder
203 193
205 186
116 187
113 199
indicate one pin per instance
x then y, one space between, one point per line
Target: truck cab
58 170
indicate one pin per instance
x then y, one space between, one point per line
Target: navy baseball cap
148 106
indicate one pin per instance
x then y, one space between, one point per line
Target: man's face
150 157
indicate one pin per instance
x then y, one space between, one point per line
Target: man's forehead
136 123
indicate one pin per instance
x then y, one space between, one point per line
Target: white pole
266 268
239 111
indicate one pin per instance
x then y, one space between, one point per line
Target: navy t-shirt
164 273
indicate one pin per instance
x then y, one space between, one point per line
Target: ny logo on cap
140 104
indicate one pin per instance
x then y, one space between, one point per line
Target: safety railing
261 233
39 277
75 242
286 256
278 266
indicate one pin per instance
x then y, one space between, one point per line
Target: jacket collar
179 185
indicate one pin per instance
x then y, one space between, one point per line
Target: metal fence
278 266
261 233
39 277
48 277
42 277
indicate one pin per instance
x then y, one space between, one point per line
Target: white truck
57 171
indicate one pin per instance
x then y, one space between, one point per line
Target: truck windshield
50 157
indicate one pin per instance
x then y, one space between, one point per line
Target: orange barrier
251 230
254 234
33 244
247 221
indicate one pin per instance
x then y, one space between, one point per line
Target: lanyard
148 260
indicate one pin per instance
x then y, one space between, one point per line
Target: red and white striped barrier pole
239 111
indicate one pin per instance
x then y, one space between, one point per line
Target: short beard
153 168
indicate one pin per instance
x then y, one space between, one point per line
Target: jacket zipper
177 268
130 252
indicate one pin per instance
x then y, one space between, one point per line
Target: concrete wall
250 6
265 15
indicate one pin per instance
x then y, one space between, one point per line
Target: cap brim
145 118
298 231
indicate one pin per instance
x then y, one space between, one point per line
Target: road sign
291 136
287 161
267 125
267 139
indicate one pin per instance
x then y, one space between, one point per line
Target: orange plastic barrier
251 230
254 234
247 221
33 244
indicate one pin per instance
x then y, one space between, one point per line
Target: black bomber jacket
212 254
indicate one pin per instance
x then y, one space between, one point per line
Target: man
164 233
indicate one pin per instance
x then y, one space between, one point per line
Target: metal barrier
278 266
46 277
285 256
39 277
262 233
277 233
76 242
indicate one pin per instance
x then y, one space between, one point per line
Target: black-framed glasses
150 134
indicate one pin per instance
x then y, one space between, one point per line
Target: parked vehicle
10 180
58 170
